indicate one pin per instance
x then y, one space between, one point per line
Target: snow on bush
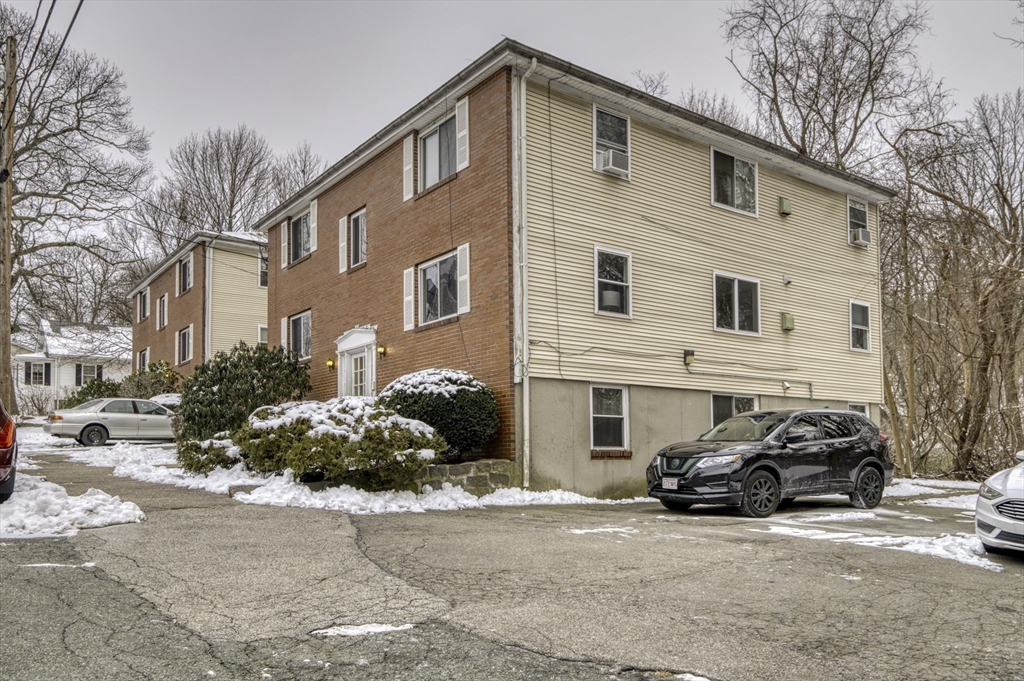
462 409
344 439
38 508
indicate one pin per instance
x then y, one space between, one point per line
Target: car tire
93 436
867 493
673 505
760 495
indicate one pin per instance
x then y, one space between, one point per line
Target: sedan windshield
745 428
91 404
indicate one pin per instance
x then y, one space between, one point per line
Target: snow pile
964 548
38 508
967 501
947 484
347 417
359 630
35 438
167 399
445 382
904 487
26 464
848 517
284 491
151 464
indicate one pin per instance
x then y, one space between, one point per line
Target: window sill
740 211
434 187
861 351
736 332
613 315
356 268
181 293
433 325
610 454
303 259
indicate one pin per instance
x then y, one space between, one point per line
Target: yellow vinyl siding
237 303
663 216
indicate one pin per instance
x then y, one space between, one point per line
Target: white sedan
999 515
97 421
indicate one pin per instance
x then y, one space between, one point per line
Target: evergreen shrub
224 390
95 389
462 409
156 379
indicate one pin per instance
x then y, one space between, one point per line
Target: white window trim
757 184
261 327
177 346
259 270
421 158
140 365
867 408
353 246
629 283
144 308
867 218
625 416
629 136
714 304
360 340
306 313
32 374
850 326
711 400
419 288
161 312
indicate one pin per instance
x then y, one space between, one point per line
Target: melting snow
445 382
849 517
967 501
359 630
38 508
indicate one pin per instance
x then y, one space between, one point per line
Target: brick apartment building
207 295
564 237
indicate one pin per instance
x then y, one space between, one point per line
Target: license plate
670 483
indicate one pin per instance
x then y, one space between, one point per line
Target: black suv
761 459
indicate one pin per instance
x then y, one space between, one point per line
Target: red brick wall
181 311
474 206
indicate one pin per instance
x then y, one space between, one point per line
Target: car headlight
715 461
986 492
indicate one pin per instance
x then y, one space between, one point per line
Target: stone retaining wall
476 477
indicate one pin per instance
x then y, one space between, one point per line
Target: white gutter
524 265
207 300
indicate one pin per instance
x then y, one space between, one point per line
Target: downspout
207 299
524 263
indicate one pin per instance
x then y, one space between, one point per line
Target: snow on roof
25 339
255 237
98 341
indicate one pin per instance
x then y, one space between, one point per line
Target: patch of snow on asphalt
38 508
848 517
26 464
613 530
964 548
35 438
359 630
902 487
947 484
967 501
513 496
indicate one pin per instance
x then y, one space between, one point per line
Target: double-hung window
357 237
87 372
857 219
300 340
184 274
860 326
439 289
301 237
726 406
143 360
144 304
611 134
609 427
437 151
262 334
734 182
184 345
264 272
612 282
37 373
737 304
161 311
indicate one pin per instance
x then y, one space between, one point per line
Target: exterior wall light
330 365
382 351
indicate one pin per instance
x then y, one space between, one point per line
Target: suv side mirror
793 438
1020 455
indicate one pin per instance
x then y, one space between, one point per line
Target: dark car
8 454
760 459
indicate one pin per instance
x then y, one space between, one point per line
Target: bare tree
222 178
1018 40
295 170
78 157
654 84
823 72
716 107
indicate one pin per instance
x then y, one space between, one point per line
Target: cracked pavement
210 588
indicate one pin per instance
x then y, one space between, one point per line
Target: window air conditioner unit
860 237
613 162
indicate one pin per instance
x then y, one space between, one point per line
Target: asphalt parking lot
208 587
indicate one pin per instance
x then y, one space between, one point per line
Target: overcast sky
334 73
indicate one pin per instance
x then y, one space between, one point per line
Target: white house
65 356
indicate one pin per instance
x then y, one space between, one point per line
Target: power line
39 41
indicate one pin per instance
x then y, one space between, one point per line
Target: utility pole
6 222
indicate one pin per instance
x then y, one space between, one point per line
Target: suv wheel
93 436
760 495
675 505
868 490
